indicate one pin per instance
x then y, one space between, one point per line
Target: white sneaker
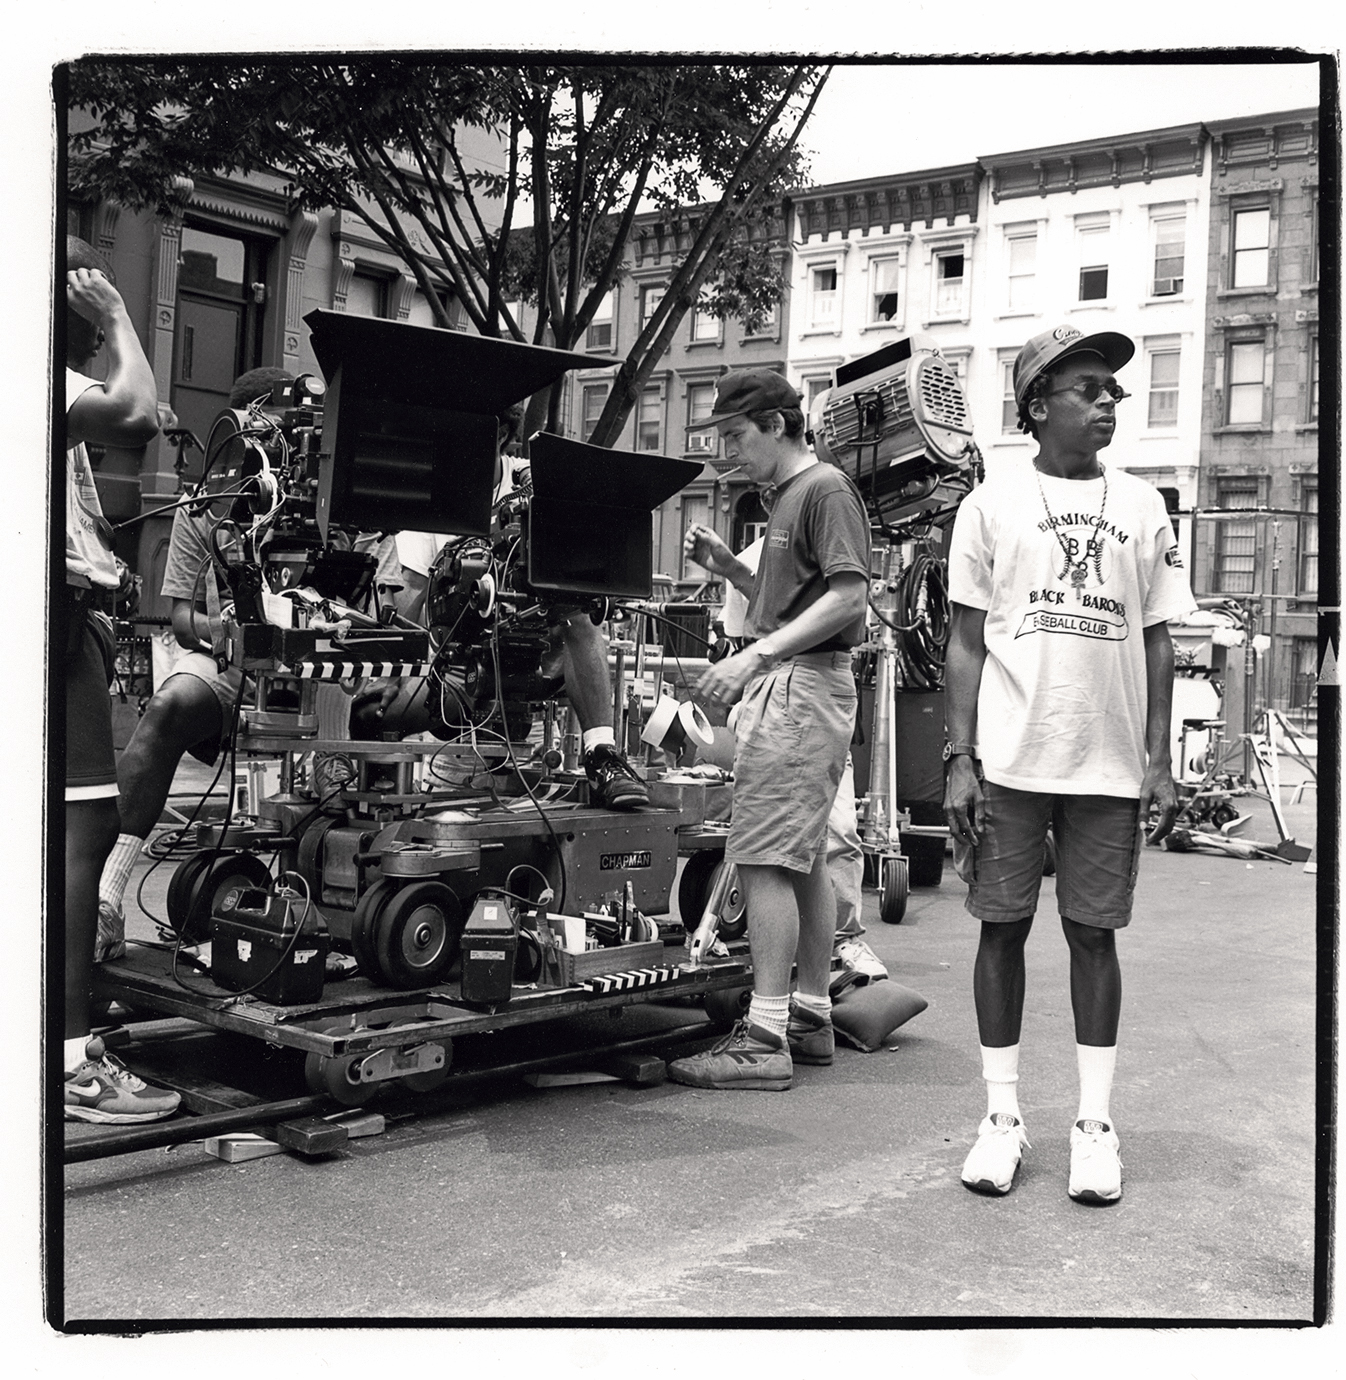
1095 1166
858 956
993 1161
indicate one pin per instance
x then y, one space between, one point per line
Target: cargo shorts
793 731
1097 840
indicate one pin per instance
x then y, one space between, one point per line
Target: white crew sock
771 1013
817 1006
1096 1064
593 737
117 869
75 1052
1000 1069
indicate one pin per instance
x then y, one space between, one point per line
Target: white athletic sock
592 737
117 869
771 1013
75 1052
1000 1069
818 1006
1096 1063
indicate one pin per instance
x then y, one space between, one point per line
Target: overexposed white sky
873 120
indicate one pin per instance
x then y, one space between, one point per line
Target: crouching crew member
1062 575
806 611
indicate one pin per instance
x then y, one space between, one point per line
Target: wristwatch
952 750
764 649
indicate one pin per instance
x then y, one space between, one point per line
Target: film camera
405 435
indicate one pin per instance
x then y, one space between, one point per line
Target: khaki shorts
1097 838
793 732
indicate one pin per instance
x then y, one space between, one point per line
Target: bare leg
182 713
1095 983
773 927
817 903
585 658
91 828
998 981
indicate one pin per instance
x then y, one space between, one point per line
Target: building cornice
879 203
243 205
1178 151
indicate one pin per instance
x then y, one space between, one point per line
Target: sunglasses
1089 389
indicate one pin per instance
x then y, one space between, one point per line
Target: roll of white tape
661 719
695 724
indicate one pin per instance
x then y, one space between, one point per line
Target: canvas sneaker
103 1089
809 1036
749 1057
111 941
993 1161
857 955
612 779
1095 1165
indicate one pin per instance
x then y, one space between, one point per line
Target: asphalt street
837 1201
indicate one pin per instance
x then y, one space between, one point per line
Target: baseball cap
749 390
1046 349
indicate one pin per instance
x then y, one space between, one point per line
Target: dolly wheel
222 872
362 925
724 1006
433 1078
893 891
417 934
335 1076
180 888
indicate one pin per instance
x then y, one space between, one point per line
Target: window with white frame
1250 257
1009 409
1021 254
700 404
1170 248
950 275
1236 544
695 512
883 287
1308 537
1093 240
704 325
1245 369
1312 413
823 295
650 297
813 390
595 397
649 420
767 325
599 334
1164 366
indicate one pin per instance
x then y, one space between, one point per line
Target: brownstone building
1260 405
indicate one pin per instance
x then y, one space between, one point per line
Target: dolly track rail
183 1130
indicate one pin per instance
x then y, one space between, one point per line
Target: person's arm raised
123 411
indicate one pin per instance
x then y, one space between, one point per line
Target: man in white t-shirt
1059 673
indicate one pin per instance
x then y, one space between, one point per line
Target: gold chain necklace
1078 570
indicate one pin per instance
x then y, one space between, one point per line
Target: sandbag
864 1017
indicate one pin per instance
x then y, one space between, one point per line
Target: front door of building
220 279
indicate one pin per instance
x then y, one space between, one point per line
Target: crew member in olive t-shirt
806 610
